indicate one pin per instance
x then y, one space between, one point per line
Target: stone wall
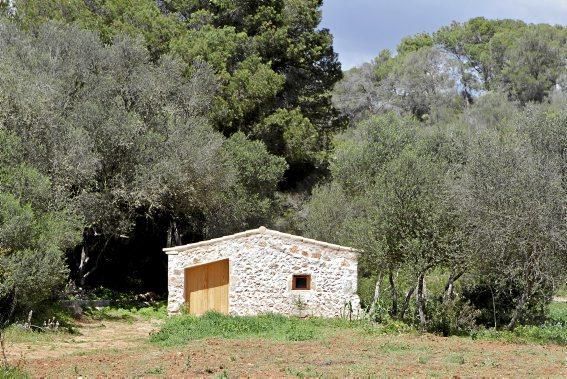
261 267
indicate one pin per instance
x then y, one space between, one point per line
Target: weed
155 371
393 347
158 311
308 372
299 332
558 313
490 362
456 359
12 372
543 334
188 363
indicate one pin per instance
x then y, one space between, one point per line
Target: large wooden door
206 288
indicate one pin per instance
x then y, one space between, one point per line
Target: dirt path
92 336
120 349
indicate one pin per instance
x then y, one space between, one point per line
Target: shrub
452 317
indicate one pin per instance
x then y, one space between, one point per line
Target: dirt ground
121 349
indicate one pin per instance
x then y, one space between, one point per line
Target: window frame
307 282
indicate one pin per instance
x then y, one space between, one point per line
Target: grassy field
123 342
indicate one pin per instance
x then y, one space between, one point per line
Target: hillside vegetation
128 126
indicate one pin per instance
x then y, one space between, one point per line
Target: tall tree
270 57
126 140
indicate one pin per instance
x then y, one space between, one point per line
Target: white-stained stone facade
262 263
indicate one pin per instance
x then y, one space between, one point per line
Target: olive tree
125 139
513 208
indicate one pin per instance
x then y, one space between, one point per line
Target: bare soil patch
121 349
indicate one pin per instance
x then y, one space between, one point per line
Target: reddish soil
119 349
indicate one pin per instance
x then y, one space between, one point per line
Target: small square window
301 282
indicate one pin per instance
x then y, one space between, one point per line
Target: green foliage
434 77
116 137
414 43
452 317
424 204
34 232
173 121
290 134
511 201
523 60
267 57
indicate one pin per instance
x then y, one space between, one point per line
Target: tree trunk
518 311
493 307
173 238
376 295
3 348
393 294
449 286
82 266
5 322
420 298
406 303
86 257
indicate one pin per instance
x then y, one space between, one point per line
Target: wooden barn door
206 288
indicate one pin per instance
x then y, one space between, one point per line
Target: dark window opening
301 282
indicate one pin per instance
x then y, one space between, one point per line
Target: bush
480 296
452 317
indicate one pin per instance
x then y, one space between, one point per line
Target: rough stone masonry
262 263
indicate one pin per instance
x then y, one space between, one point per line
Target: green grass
552 331
181 329
11 372
157 311
558 312
562 291
155 371
17 334
184 328
455 358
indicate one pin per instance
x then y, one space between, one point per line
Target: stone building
263 271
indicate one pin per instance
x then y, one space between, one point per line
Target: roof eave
261 230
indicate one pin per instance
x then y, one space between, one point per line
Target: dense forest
129 126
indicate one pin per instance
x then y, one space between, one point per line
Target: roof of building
260 230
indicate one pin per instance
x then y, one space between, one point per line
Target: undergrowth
130 314
554 330
181 329
540 334
184 328
12 372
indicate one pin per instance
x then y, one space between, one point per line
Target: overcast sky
364 27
